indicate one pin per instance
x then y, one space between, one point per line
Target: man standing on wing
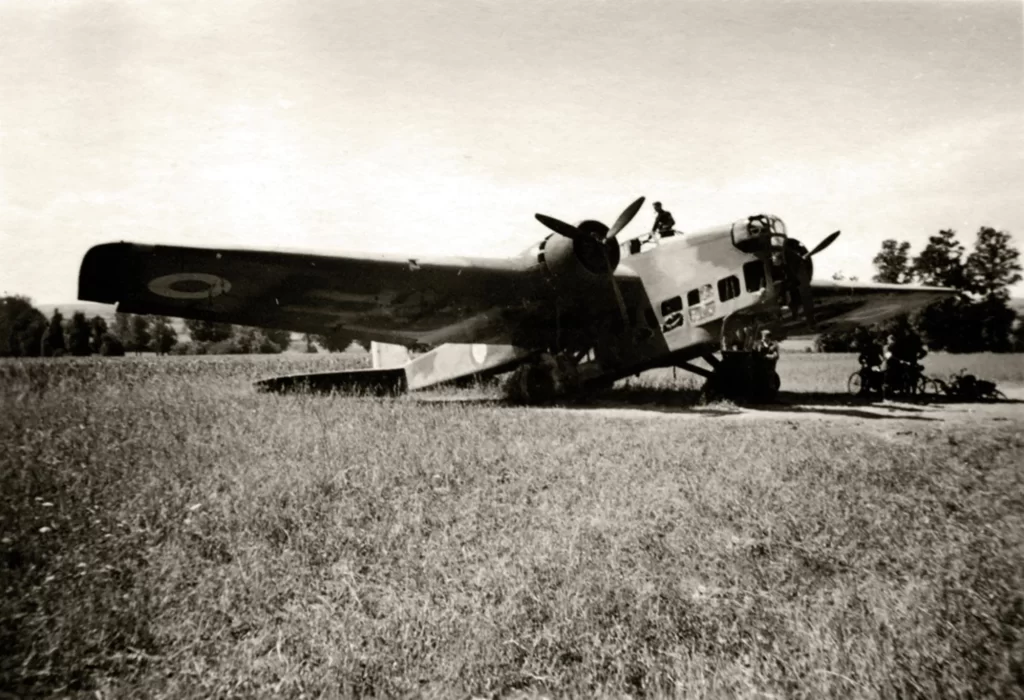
664 223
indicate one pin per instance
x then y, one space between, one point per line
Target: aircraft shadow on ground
689 401
823 403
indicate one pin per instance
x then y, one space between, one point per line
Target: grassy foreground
166 531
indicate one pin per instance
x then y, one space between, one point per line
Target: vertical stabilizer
388 356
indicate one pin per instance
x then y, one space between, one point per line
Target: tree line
978 319
26 332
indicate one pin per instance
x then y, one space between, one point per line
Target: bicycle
857 385
967 387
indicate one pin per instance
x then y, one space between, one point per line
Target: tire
854 384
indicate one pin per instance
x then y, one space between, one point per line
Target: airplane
576 311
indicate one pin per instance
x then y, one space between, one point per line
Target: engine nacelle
574 266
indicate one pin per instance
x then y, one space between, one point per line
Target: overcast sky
441 127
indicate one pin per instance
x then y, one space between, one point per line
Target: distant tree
78 335
258 340
892 262
53 340
941 263
849 340
228 346
280 338
97 329
308 340
208 331
111 346
994 265
995 322
123 328
336 342
161 335
139 334
22 327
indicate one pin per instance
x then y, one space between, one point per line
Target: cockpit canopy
758 233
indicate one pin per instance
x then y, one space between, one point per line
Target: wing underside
385 298
839 305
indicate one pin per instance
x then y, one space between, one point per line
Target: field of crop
167 531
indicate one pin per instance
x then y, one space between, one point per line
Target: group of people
893 365
765 349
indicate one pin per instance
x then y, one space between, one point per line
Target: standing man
767 349
871 362
762 366
664 223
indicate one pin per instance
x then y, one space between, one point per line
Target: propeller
825 243
625 217
801 269
583 236
575 233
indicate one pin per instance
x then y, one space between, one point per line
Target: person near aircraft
871 362
664 223
901 356
910 351
767 349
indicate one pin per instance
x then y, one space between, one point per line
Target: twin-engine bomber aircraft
576 311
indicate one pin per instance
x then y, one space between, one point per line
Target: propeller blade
560 227
615 289
624 218
807 299
825 243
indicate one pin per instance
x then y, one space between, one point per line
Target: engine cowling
576 266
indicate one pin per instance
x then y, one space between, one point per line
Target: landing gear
741 376
549 378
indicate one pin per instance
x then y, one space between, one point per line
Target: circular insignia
189 285
478 352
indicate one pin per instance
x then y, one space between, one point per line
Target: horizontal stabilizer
462 361
375 382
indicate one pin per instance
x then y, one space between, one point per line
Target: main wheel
855 383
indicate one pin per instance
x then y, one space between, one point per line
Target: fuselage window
753 275
670 306
693 297
729 288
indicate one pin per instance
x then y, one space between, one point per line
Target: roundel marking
189 285
478 352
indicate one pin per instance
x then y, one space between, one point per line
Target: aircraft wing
375 297
842 304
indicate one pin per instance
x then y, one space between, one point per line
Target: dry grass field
169 532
